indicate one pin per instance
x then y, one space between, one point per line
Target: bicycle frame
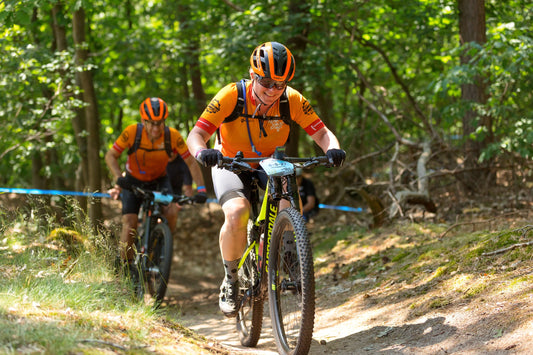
151 211
275 264
154 240
264 220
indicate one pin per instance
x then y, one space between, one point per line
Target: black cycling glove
336 156
200 197
209 157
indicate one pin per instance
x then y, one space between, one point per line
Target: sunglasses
155 123
269 83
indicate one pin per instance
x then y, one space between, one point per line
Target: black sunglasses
269 83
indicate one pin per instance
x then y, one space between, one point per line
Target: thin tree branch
399 138
399 80
233 6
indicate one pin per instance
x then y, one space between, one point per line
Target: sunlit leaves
143 50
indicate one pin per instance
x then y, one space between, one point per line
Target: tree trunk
91 115
472 29
296 45
60 39
193 50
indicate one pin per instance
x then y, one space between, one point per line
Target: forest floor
420 285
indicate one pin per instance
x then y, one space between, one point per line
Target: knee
171 211
236 212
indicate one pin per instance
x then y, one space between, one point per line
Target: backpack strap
168 146
138 137
241 101
137 142
284 109
237 110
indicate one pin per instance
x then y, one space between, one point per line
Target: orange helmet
273 60
153 109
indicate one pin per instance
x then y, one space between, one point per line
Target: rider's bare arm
195 170
196 140
326 139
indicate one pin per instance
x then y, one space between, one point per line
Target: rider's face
154 129
265 94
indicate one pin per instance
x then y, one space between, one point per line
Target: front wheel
291 290
159 260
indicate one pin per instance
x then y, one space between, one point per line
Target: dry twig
479 221
524 231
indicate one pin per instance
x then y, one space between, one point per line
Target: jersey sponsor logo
180 142
213 107
307 108
275 125
125 136
272 214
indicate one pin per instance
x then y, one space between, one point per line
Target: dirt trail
347 322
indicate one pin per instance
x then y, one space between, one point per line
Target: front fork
144 245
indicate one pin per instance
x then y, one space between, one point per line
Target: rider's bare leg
232 237
171 213
129 230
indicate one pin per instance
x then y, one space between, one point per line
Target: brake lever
239 166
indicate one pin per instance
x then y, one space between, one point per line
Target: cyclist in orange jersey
257 131
146 167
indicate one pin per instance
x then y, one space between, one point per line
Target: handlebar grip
125 184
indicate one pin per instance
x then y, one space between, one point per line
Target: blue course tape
53 192
100 194
341 208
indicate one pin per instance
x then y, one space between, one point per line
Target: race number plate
275 167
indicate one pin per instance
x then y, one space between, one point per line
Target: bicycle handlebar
156 196
239 163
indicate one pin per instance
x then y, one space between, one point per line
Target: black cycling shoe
228 301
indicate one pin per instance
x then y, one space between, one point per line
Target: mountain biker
257 132
146 167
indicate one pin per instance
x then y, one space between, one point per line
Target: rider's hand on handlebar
200 197
114 192
209 157
120 184
336 156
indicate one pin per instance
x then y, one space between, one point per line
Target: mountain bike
278 262
153 244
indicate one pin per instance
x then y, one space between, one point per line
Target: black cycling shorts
132 203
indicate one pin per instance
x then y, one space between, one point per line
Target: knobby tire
291 281
159 261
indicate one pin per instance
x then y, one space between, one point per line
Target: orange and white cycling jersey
150 160
234 135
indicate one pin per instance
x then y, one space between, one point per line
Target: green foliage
52 300
403 57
